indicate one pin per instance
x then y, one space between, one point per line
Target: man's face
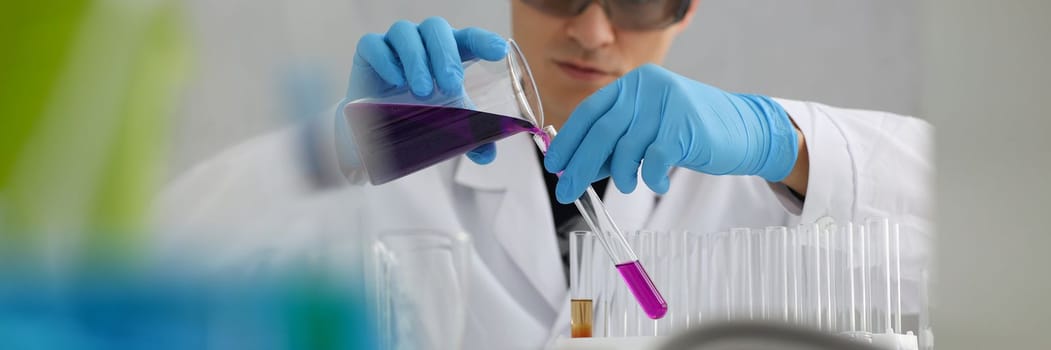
573 57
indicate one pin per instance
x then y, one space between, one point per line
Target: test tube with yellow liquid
581 290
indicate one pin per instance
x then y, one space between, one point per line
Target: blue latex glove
420 58
660 119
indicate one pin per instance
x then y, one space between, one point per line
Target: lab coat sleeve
866 164
227 203
863 164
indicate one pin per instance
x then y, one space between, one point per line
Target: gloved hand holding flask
421 58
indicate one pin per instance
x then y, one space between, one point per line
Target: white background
852 53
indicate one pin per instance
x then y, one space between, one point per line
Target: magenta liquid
395 140
642 287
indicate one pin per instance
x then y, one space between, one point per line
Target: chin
561 104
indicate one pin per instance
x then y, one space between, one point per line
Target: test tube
926 332
880 250
775 282
607 232
581 304
862 256
603 281
812 302
757 302
698 278
841 284
647 248
856 292
679 280
671 279
617 319
848 233
634 324
740 274
721 266
815 271
660 254
896 259
829 280
794 257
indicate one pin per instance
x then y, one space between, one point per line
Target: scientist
710 159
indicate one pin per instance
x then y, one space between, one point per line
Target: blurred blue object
305 86
165 312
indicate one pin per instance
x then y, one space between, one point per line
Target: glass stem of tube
607 232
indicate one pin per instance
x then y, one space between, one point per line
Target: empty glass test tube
607 232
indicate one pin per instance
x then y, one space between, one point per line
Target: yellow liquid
580 318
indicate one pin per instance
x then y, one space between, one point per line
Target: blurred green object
87 91
88 88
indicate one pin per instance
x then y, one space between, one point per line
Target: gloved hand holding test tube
607 232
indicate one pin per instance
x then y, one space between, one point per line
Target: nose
591 28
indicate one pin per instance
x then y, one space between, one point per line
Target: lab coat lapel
522 221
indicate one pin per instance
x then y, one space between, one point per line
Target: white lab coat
862 164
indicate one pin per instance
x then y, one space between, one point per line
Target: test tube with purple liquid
624 258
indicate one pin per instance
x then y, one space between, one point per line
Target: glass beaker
421 288
398 133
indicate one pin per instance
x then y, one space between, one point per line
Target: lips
581 72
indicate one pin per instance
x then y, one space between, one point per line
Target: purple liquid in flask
395 140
